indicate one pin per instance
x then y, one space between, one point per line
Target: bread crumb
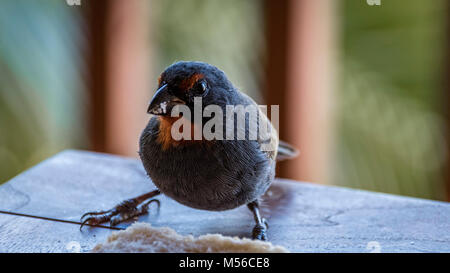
142 237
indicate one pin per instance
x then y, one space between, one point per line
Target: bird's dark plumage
216 175
210 175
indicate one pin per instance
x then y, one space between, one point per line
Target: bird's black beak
163 102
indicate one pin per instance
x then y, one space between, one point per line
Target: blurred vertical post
300 78
120 68
129 74
446 103
96 15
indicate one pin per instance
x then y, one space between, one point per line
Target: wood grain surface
303 217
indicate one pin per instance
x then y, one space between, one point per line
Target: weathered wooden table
302 217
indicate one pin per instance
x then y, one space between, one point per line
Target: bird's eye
202 86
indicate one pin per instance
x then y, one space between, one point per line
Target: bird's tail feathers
286 151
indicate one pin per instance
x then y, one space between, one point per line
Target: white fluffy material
142 237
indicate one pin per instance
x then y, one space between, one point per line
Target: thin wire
56 220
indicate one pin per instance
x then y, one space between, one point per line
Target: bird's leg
260 229
122 212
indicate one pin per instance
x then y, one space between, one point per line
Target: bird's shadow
274 207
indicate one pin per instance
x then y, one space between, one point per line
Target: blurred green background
391 134
390 127
41 84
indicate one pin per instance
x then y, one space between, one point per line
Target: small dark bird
204 174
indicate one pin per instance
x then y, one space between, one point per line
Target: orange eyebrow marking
188 83
159 80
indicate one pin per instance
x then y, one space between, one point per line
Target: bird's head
181 82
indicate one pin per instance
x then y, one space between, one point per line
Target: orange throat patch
165 136
165 133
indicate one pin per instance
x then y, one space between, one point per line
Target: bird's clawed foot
260 231
126 210
122 212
